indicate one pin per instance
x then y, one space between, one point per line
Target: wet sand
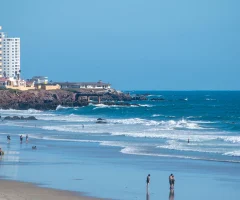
12 190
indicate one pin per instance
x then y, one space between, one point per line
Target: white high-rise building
9 56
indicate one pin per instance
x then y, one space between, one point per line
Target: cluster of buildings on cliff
10 71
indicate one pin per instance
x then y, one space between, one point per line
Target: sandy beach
12 190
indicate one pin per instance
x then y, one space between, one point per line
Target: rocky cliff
49 100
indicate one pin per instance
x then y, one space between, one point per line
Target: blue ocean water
112 160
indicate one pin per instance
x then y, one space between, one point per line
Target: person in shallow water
8 138
148 181
27 138
21 138
171 181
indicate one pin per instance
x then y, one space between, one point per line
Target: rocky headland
49 100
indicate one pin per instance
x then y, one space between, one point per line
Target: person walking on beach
27 138
21 139
148 182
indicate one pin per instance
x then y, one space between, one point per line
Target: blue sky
133 44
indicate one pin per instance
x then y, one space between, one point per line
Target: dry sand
11 190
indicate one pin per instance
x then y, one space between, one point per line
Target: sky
132 44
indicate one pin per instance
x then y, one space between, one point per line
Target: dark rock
20 118
31 118
38 99
140 98
8 118
101 121
16 118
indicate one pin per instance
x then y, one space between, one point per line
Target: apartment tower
9 56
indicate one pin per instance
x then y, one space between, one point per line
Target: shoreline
16 190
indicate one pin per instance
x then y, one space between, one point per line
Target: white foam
39 137
68 118
113 143
146 105
184 146
233 153
232 139
171 124
209 99
156 115
136 151
13 111
11 152
152 95
59 107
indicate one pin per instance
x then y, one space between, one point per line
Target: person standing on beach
148 182
27 138
21 139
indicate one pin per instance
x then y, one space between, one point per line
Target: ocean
112 160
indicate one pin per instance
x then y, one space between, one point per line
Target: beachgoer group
21 138
171 183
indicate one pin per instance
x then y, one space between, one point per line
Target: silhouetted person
8 138
171 181
148 182
21 139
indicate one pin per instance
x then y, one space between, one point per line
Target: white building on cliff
9 56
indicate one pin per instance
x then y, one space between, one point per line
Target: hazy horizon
134 45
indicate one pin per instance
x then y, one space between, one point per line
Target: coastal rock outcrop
37 99
20 118
49 100
140 98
